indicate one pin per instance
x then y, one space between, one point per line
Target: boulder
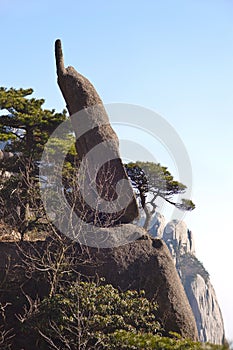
146 264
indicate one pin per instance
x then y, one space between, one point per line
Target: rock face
143 264
146 264
178 239
110 195
156 225
208 315
196 282
110 237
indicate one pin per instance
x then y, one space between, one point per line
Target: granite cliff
194 277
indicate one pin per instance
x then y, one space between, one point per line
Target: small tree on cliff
25 126
150 181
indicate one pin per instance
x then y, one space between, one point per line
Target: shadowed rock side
143 264
92 129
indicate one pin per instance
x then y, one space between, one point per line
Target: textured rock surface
97 146
156 226
109 237
146 264
196 282
143 264
202 298
178 239
208 315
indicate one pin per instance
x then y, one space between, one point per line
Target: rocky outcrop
196 282
141 264
178 239
144 264
202 298
97 146
156 224
203 301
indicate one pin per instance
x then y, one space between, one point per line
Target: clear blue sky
173 56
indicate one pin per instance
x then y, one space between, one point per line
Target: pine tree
25 127
152 180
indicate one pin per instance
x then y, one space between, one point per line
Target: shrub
137 341
85 314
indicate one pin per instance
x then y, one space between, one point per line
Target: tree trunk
148 217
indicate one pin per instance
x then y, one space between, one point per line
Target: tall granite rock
141 264
195 279
98 150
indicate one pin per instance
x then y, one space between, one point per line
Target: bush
137 341
85 314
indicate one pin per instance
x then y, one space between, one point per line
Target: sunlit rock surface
195 278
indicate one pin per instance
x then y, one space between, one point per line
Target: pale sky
172 56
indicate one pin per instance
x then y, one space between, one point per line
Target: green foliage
139 180
158 178
137 341
150 181
26 126
90 316
25 123
86 312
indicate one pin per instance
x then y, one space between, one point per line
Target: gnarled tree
150 181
